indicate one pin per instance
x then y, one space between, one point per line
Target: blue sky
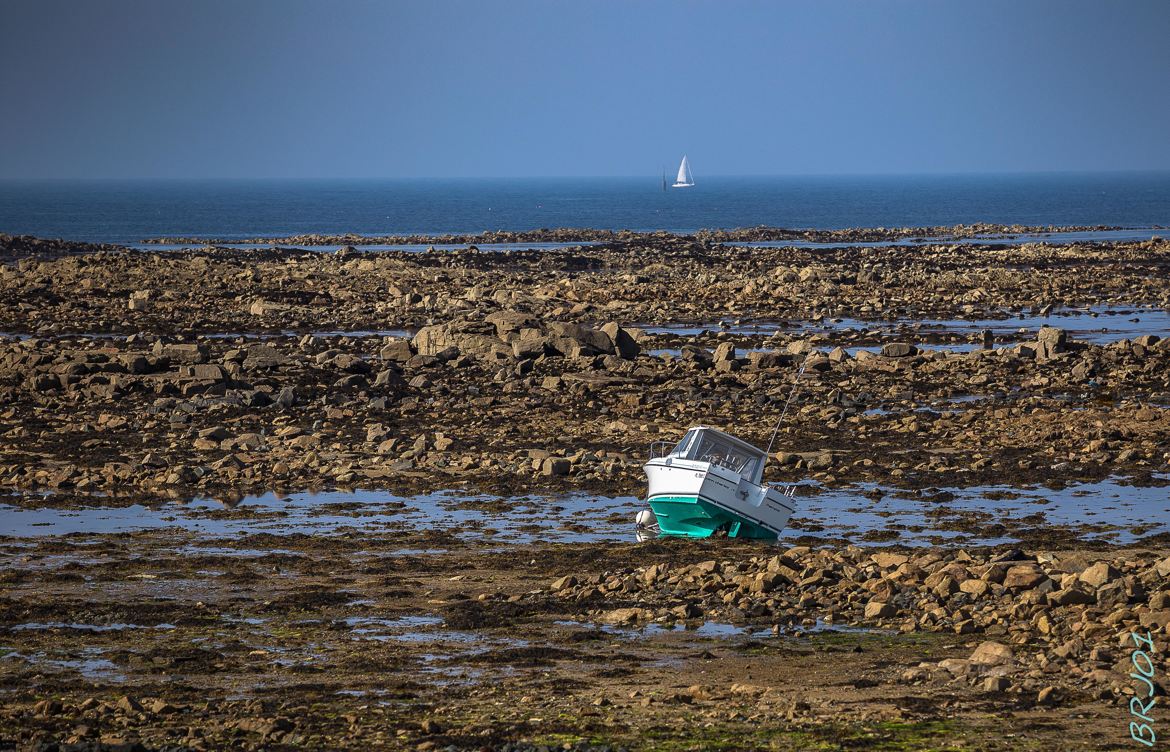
288 88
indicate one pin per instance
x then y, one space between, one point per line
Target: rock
203 372
996 684
263 308
766 582
532 346
1054 338
472 337
879 610
1099 574
652 573
217 433
128 704
588 341
510 322
431 726
839 355
263 357
817 460
1046 696
555 466
1023 577
263 726
139 300
898 350
387 377
564 583
1155 619
976 588
724 352
623 344
889 560
955 666
625 616
397 350
181 353
1071 596
992 653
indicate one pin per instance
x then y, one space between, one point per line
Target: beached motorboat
710 481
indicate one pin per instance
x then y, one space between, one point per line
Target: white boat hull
697 499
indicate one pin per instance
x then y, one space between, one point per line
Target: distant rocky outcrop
513 334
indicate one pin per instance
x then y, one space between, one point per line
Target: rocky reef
143 394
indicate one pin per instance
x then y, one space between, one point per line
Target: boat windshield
711 449
680 448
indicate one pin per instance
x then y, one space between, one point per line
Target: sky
452 88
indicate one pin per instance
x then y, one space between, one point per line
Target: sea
128 212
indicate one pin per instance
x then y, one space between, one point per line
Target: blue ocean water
129 211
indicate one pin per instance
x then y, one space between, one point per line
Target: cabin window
712 449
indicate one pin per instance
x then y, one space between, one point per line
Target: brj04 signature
1142 703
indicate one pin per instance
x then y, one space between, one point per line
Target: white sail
684 179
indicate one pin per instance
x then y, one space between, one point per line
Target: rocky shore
128 378
581 234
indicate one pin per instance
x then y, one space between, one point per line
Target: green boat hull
695 517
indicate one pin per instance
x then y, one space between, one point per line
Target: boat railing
661 449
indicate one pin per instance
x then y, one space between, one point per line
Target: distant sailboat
685 179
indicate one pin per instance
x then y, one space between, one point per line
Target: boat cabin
704 444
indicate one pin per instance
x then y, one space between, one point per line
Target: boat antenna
776 430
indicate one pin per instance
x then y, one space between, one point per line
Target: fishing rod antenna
780 420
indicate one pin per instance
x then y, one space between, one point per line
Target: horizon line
648 176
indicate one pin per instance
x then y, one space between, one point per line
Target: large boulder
508 323
531 345
623 344
590 341
1023 577
724 352
396 349
1099 574
181 353
992 653
471 337
898 350
1051 341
